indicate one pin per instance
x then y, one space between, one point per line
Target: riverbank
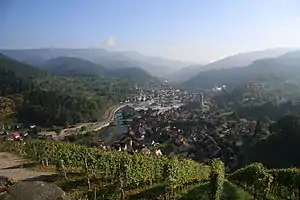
90 126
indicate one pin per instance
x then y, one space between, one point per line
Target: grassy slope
233 192
230 192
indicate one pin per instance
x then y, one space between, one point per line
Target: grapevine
130 170
217 177
254 178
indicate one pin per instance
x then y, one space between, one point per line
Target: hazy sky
195 30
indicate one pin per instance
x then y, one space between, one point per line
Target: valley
228 124
149 100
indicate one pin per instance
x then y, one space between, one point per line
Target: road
108 117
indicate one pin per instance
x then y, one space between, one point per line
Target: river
112 132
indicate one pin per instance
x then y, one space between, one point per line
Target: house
16 136
158 153
33 126
145 151
131 133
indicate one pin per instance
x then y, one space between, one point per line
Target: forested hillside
279 149
35 96
132 74
285 68
79 67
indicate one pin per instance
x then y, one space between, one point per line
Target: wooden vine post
42 164
47 162
60 168
122 173
86 167
95 194
63 168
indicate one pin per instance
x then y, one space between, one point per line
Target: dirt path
11 167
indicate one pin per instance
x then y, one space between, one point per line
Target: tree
7 107
281 148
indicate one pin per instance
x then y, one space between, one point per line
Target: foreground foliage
268 184
170 177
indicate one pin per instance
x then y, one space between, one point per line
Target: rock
37 190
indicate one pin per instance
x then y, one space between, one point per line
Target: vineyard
120 168
262 183
162 177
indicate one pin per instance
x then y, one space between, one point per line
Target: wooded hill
32 95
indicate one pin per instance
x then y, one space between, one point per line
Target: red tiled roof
145 150
131 133
16 134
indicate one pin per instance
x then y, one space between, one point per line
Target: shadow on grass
233 192
76 181
56 178
71 184
46 178
230 192
199 192
25 165
105 193
150 193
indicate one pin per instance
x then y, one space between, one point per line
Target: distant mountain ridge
73 66
155 60
110 59
19 68
234 61
244 59
288 63
133 74
80 67
185 73
156 66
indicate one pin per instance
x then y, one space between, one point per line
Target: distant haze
187 30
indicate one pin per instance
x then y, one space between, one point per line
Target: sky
188 30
